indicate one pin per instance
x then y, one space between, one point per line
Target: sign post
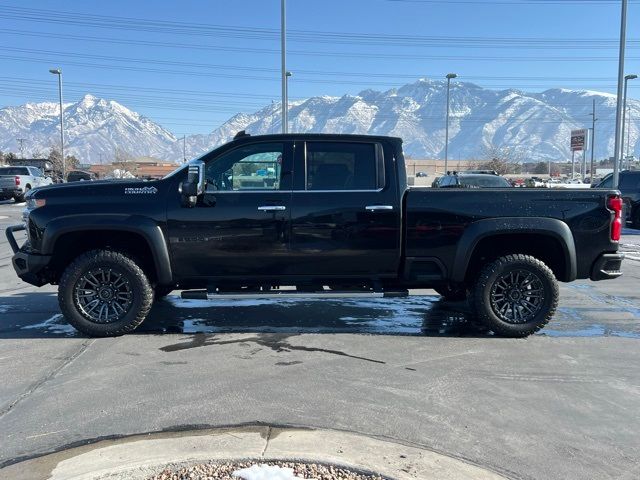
578 144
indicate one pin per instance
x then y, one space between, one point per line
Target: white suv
15 182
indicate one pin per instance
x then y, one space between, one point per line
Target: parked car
339 212
474 180
484 172
15 182
629 185
80 176
421 174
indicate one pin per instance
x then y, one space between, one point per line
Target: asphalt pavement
416 370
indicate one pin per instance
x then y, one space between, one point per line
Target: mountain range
536 125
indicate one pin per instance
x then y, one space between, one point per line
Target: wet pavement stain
277 343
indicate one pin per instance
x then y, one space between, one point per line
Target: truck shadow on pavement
36 315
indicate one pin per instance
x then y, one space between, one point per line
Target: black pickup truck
315 212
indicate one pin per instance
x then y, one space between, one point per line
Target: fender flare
481 229
143 226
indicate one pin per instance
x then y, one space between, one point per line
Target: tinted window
14 171
254 167
341 166
484 181
630 182
607 182
447 181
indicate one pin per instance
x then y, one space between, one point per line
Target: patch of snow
232 302
266 472
51 325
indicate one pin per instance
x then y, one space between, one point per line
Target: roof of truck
241 136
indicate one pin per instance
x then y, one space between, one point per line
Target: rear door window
14 171
343 166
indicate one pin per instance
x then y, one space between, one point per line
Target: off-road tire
482 295
452 293
141 289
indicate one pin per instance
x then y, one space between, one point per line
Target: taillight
17 180
615 205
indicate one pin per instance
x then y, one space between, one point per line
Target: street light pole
58 72
619 111
624 111
446 134
287 74
283 48
628 136
593 140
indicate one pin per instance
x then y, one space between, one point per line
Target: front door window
254 167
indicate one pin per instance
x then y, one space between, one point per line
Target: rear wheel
104 293
20 197
515 296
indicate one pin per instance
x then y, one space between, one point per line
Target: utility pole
446 134
283 48
100 156
593 141
624 110
628 136
619 111
21 142
184 148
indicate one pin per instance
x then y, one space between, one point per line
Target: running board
204 295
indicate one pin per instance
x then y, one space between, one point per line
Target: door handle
272 208
376 208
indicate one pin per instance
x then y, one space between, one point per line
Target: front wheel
104 294
516 295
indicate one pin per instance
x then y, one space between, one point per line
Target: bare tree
501 159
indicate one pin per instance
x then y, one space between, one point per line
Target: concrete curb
135 458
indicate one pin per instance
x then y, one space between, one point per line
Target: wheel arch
548 239
68 237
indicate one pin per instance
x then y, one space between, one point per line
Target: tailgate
7 181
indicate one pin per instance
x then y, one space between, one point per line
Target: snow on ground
266 472
51 325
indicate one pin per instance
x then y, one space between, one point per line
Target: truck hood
98 187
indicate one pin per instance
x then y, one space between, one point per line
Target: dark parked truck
312 211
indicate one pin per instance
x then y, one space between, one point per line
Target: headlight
33 203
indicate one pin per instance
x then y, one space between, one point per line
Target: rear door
345 212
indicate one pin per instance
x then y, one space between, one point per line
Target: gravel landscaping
262 471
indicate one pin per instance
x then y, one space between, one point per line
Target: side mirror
193 186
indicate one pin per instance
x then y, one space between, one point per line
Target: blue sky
190 65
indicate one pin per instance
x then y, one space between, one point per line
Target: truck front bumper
607 266
28 265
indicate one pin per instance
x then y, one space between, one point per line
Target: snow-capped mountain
92 127
536 124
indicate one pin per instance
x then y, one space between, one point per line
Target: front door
240 226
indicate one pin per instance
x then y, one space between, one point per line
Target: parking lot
417 370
